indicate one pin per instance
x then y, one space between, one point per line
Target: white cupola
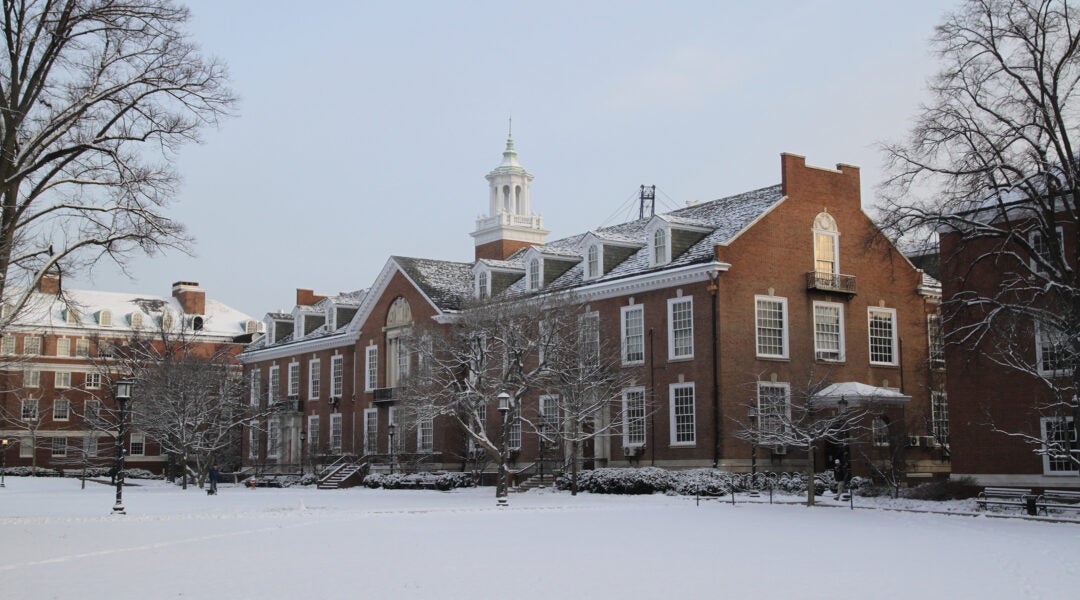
509 224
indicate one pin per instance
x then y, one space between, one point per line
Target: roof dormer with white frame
602 253
668 237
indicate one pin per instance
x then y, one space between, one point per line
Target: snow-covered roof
854 393
48 311
448 284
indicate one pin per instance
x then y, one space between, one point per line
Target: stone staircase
346 475
536 481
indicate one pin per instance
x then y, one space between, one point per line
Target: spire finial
510 136
510 130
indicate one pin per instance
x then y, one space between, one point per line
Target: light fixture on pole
751 414
391 429
303 438
122 394
502 487
3 469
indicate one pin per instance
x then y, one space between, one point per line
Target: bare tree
96 97
584 382
21 412
991 167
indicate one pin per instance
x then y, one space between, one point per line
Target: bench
1058 500
995 496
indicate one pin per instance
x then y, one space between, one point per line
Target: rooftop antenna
648 194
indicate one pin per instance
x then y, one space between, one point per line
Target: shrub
433 480
944 489
646 480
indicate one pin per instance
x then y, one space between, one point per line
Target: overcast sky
365 129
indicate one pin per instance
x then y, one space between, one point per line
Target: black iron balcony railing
830 282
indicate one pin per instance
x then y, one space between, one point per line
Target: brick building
57 361
723 305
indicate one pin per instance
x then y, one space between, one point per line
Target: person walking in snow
215 475
840 474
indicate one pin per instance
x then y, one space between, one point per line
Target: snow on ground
60 541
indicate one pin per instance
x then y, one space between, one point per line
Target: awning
855 393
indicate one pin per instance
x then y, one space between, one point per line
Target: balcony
830 282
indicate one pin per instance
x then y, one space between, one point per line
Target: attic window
105 318
166 321
660 247
592 262
252 326
6 312
483 289
136 320
534 274
71 316
197 323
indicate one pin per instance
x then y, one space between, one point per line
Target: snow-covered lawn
59 541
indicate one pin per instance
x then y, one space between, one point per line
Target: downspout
652 414
714 289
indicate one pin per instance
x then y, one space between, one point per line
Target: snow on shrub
692 482
438 481
646 480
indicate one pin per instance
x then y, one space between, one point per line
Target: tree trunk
183 471
810 475
573 465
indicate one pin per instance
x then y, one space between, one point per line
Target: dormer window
826 245
166 321
71 316
251 326
593 264
660 247
105 318
534 274
483 285
136 320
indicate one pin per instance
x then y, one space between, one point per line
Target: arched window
826 245
660 247
534 274
398 322
506 198
105 318
136 320
517 199
592 260
166 321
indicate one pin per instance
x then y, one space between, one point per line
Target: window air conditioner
780 450
913 441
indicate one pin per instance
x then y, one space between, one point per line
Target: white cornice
297 348
650 281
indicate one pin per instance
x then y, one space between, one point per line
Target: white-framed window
826 245
106 349
660 247
61 409
770 327
773 409
253 441
514 434
167 320
633 406
680 328
93 411
90 445
273 438
683 426
1051 350
550 422
63 347
26 447
32 379
371 368
138 444
71 316
62 379
314 379
936 336
882 328
534 274
82 347
939 417
589 331
829 331
335 432
105 318
633 334
294 379
371 431
256 386
879 431
7 344
273 385
93 380
1041 249
136 320
59 446
425 435
337 376
483 289
31 345
399 431
312 433
593 262
1061 454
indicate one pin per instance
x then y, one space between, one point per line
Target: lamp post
751 414
3 468
303 438
122 394
845 468
502 487
393 450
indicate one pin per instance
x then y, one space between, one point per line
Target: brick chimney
192 298
307 297
49 284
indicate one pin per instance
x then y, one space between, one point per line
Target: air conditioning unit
913 441
928 441
633 451
780 450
